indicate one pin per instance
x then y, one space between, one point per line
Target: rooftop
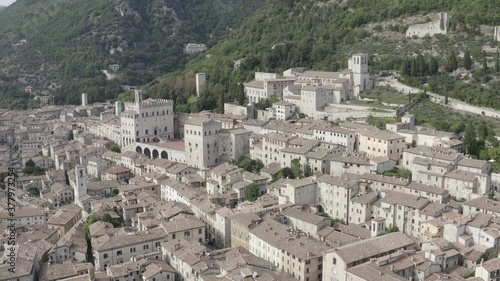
373 247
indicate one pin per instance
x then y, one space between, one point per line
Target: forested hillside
61 45
322 34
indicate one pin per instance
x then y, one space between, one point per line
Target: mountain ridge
321 35
61 46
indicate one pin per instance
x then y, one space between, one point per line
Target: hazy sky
6 2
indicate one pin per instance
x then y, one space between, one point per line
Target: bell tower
80 188
358 64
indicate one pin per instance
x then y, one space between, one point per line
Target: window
145 247
199 231
173 235
105 256
132 250
119 253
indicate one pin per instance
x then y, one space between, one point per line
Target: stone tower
201 80
358 64
85 99
80 187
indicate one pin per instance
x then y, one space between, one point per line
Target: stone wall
452 103
439 26
345 111
230 108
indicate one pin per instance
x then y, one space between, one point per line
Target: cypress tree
433 66
451 62
413 68
221 103
241 94
469 141
485 66
467 60
497 63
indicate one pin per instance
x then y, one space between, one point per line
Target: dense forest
62 45
322 35
68 42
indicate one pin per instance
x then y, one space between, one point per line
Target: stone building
147 120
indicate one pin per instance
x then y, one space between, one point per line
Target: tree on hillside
469 141
221 103
405 68
485 66
467 60
451 62
421 65
241 94
433 66
252 192
413 68
497 63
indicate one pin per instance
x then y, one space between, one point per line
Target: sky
6 2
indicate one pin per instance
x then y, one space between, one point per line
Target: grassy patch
386 94
428 114
380 122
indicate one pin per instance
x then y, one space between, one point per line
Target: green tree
252 192
107 218
296 168
391 229
433 66
405 68
34 191
90 220
241 94
421 65
29 167
413 68
497 62
467 60
115 148
37 171
307 170
451 62
287 173
274 99
469 141
484 66
221 103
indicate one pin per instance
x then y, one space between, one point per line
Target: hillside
61 46
323 34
